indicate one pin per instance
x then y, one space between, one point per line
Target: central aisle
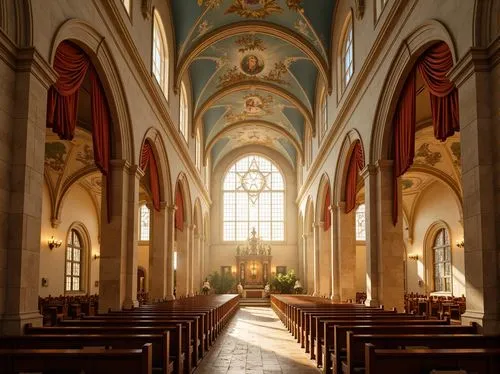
255 341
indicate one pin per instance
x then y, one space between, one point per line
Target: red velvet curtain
327 219
71 63
404 137
433 66
179 213
356 163
148 160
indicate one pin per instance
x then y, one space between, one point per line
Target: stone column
203 271
197 264
135 175
318 227
158 254
390 243
304 279
21 183
477 75
191 262
170 252
114 239
334 256
347 252
369 174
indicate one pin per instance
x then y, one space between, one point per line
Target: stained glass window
347 55
160 54
360 223
73 270
144 222
254 197
442 261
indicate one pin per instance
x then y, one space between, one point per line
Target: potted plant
284 283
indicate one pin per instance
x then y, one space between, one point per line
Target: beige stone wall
360 268
78 207
436 205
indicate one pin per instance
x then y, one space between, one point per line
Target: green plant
222 283
284 282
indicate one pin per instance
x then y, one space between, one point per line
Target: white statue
267 289
297 287
240 289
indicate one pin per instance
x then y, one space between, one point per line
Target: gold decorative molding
257 86
242 124
252 27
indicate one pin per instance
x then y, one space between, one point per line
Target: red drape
327 219
148 160
179 213
356 163
433 66
71 63
404 137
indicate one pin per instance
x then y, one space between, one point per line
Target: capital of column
332 208
368 170
475 60
136 170
29 59
119 164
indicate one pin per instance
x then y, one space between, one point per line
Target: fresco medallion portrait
252 64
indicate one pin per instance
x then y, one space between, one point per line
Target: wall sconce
54 243
96 257
460 243
413 257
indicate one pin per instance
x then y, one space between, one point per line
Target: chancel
205 186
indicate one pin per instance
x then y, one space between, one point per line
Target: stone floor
256 342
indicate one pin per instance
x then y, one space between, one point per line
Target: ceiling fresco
69 162
253 135
434 162
253 61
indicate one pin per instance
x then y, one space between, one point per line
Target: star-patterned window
254 197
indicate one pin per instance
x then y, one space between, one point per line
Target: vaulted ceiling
253 66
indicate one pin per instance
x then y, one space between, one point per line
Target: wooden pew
416 361
356 344
337 350
176 345
74 361
160 344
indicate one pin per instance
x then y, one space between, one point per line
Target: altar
254 264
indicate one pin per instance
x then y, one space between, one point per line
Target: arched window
183 113
73 269
360 223
442 261
347 55
324 113
197 153
160 54
254 197
144 223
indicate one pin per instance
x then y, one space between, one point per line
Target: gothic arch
95 45
161 157
410 49
323 189
182 184
341 168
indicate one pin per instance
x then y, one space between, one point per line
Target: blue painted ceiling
253 66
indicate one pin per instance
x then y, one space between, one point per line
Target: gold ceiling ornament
249 43
295 5
253 181
210 4
254 8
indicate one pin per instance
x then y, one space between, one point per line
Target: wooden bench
161 358
74 361
337 350
417 361
356 344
